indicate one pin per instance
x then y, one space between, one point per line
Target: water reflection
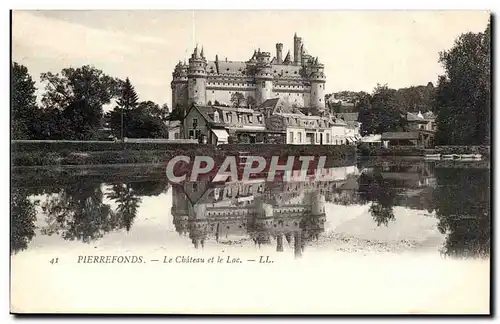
263 211
278 214
22 221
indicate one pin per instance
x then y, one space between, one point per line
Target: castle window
213 91
250 118
259 118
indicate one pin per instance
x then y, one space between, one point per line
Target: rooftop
400 135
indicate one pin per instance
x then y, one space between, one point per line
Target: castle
298 80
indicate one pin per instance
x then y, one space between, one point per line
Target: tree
366 116
129 98
177 113
23 102
82 90
380 112
463 99
251 102
22 221
387 115
237 99
414 99
146 120
120 117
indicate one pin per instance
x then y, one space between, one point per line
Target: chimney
279 53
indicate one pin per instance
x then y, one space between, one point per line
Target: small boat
447 156
456 156
471 156
433 156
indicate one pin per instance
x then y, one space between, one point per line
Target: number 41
54 260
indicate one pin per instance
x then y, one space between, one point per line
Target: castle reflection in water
266 212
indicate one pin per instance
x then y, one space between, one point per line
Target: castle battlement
260 78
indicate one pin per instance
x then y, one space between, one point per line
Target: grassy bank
99 153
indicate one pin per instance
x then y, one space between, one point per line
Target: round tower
263 77
297 45
179 85
318 80
197 78
317 204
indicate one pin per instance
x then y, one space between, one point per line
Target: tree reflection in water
374 189
77 212
462 203
127 201
22 221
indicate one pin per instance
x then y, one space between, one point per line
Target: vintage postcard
250 162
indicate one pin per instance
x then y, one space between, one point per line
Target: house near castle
421 131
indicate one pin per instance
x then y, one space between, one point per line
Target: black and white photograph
261 162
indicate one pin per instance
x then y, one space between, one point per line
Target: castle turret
197 78
279 53
318 80
179 84
263 77
297 47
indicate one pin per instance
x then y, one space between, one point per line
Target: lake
380 236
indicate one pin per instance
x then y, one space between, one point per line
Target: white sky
359 48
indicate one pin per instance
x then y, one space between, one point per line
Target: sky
358 48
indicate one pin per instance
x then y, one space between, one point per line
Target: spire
195 53
287 58
202 55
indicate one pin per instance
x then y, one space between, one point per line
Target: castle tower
263 77
317 204
197 78
279 53
279 243
297 47
179 85
318 80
